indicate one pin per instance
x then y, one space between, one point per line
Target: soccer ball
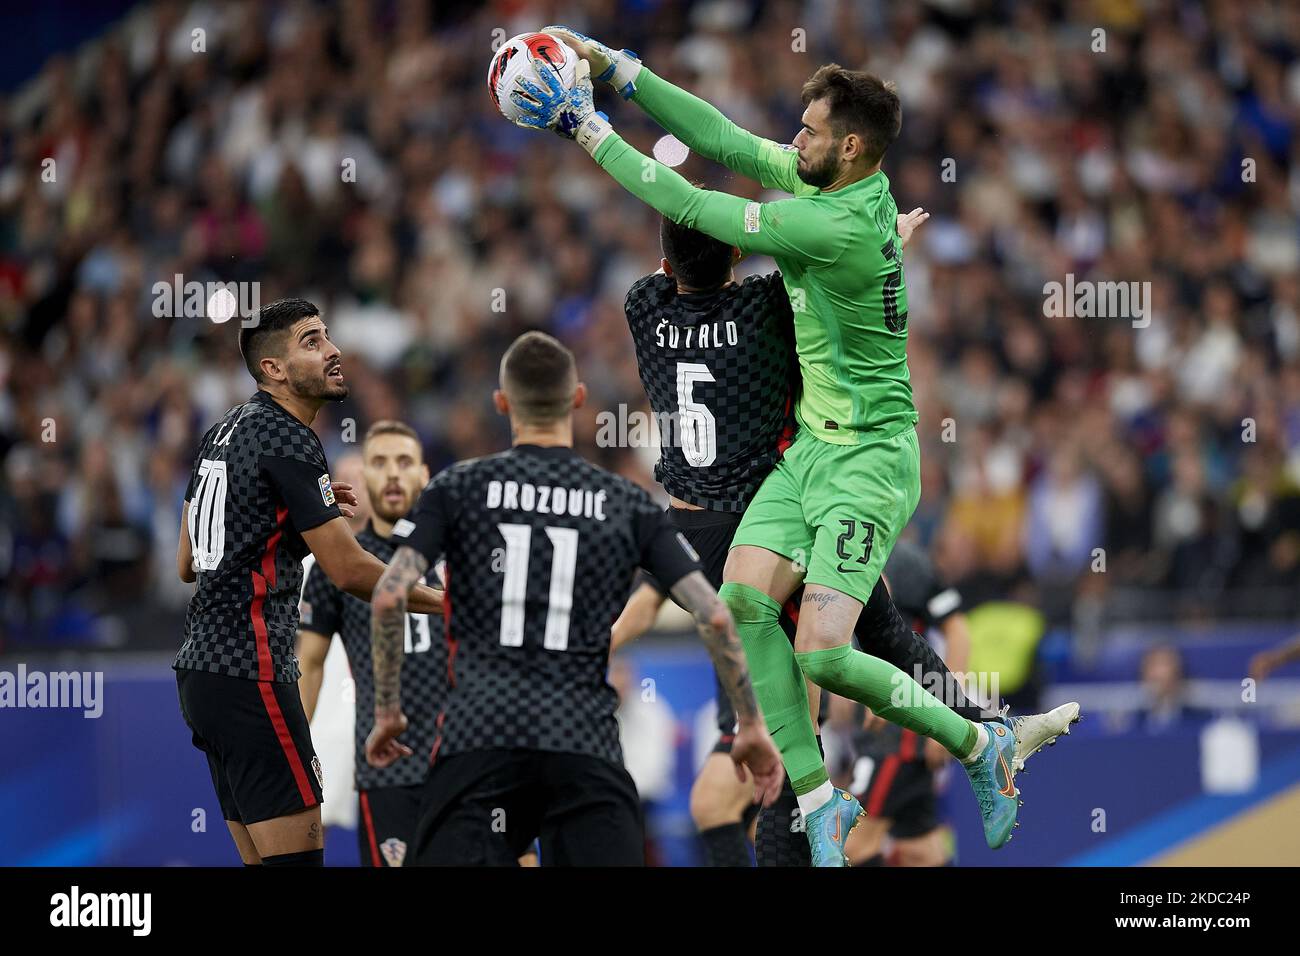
515 61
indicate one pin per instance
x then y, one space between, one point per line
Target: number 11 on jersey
514 584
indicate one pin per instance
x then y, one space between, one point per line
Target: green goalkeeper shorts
836 510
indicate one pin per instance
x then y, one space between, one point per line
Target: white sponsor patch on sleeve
326 489
686 546
304 611
753 216
944 603
403 528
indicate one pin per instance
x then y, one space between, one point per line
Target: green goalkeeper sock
778 684
890 693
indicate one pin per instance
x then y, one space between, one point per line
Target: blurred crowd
349 153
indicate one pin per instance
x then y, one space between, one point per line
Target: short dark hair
538 374
391 426
698 260
858 102
265 335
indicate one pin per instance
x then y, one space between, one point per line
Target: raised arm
799 229
704 129
802 229
698 124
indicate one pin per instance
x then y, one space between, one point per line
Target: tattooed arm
388 606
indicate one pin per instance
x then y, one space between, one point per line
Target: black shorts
258 743
486 807
892 781
387 820
710 534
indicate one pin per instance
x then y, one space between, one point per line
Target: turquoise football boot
829 826
994 784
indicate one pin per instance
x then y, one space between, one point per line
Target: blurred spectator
1062 527
1164 686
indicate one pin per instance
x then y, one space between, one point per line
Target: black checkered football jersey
259 482
328 610
540 550
914 584
721 368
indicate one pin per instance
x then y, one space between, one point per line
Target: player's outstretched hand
540 108
345 498
618 68
555 107
907 223
753 749
382 746
571 113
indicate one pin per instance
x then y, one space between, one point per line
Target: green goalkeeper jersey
839 254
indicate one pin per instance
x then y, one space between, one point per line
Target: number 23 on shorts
857 535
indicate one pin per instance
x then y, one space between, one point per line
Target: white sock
981 741
815 799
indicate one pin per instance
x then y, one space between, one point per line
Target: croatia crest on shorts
326 489
394 851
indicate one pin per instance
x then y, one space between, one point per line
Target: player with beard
827 515
393 470
259 499
716 357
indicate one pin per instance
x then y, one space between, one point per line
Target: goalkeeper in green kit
829 513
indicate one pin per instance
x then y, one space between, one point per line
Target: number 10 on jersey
207 524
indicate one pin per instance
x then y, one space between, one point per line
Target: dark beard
320 388
821 175
380 510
